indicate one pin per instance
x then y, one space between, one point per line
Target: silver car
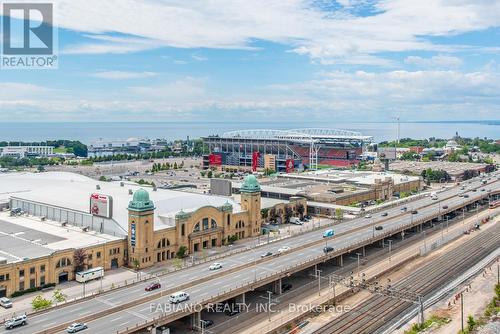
76 327
16 321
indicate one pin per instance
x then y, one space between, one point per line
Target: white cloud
121 75
362 95
324 35
439 61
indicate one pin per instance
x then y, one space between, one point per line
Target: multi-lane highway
239 272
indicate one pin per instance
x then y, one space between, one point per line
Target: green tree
339 214
40 303
181 252
58 296
177 263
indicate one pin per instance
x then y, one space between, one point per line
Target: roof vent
85 229
130 192
155 188
98 187
122 184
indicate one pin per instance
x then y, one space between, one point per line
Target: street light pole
318 273
358 254
462 309
269 293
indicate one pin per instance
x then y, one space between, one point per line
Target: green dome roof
140 201
250 184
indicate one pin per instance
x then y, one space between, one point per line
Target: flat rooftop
72 191
27 237
361 178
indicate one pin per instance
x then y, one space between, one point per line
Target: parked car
266 254
385 214
207 323
379 227
296 221
151 287
445 207
215 266
76 327
286 287
404 208
328 249
466 196
5 302
368 216
16 321
414 212
284 249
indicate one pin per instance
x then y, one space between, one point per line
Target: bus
494 204
90 274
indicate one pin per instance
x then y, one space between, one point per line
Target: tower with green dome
250 202
140 230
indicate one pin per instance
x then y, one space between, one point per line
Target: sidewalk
71 290
285 314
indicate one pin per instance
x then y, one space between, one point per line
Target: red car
153 286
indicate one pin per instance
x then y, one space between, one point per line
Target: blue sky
267 60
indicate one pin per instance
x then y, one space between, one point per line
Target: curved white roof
72 191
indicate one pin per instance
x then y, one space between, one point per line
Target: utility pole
269 293
421 302
462 309
390 249
318 273
358 254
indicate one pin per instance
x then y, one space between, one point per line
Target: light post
390 249
254 265
462 309
318 273
269 294
358 254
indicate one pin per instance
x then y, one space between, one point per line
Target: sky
240 60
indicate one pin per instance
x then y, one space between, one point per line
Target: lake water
88 132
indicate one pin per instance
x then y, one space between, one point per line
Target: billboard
289 165
215 159
101 205
132 235
255 161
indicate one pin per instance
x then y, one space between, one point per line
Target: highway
238 269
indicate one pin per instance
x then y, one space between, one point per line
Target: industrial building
326 190
117 224
284 150
26 151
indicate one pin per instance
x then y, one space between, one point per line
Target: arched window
196 227
64 262
228 220
168 242
183 230
205 223
159 244
213 224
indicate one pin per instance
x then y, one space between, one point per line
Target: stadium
285 150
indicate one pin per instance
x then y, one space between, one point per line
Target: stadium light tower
399 127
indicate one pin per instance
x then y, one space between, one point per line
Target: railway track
379 310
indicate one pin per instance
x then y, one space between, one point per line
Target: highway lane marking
49 324
84 313
116 319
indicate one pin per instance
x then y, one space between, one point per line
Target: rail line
379 310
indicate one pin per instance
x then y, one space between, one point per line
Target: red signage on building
215 159
255 160
289 165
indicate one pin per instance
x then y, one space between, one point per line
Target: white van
434 196
178 297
